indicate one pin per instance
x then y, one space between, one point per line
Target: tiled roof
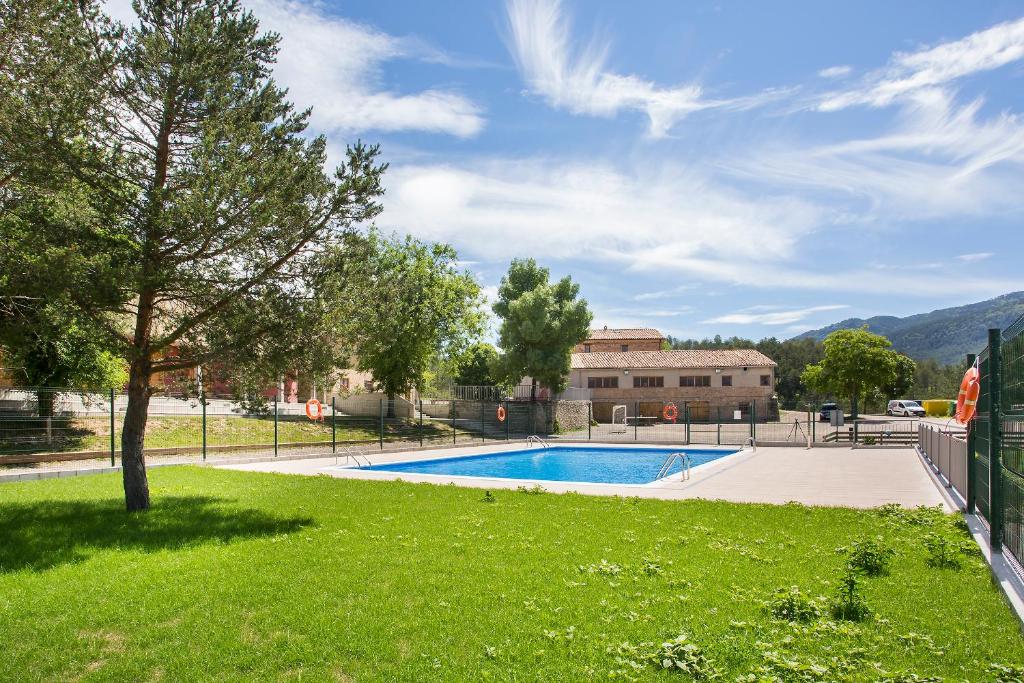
698 358
626 333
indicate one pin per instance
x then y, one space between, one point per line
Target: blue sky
702 167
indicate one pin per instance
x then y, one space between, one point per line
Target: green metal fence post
508 419
972 472
482 437
995 459
202 400
453 421
814 426
719 441
334 427
686 416
276 397
381 432
636 420
753 419
112 442
590 419
856 431
421 422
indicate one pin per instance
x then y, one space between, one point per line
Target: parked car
825 414
905 408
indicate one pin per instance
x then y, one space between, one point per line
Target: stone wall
571 416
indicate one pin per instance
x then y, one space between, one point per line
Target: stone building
712 384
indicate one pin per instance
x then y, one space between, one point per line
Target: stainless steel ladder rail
671 460
534 439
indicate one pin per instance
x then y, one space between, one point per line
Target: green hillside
945 335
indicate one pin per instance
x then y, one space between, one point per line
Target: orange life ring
670 412
314 411
501 413
967 401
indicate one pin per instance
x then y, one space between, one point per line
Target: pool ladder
666 466
534 439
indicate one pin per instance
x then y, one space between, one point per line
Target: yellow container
938 407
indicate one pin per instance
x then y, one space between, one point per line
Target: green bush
868 555
789 604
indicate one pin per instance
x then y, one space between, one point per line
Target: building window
602 382
766 380
648 382
695 380
344 383
586 348
624 348
726 380
368 385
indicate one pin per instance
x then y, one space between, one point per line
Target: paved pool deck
840 477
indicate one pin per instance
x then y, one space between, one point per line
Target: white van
905 408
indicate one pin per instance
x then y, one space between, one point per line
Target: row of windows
622 347
345 386
640 382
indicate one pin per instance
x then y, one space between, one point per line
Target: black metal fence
996 440
38 425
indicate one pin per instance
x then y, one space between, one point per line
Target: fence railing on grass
946 449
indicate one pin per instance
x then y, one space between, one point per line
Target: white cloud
759 316
835 72
972 258
579 80
333 64
663 293
504 208
909 72
939 159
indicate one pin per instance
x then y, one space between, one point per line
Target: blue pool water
561 463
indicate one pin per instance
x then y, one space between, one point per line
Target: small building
711 383
622 340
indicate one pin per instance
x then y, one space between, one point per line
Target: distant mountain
947 335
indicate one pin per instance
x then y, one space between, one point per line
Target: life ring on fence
501 413
670 412
314 411
967 401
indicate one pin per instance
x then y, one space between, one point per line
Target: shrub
849 604
868 555
790 604
943 552
488 498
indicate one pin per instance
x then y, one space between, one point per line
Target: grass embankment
239 575
185 431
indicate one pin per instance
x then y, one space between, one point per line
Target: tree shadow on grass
45 534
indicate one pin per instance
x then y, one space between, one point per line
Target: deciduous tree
408 303
857 364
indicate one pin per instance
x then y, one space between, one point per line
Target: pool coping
448 478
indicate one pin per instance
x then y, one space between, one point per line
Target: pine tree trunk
133 436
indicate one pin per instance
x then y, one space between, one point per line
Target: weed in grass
534 490
944 552
868 555
849 604
679 654
790 604
488 498
1006 673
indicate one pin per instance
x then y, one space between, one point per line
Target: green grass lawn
250 576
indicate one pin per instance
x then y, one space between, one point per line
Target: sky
733 168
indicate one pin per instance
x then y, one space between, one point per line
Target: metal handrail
533 438
670 460
753 443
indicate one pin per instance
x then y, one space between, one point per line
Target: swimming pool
592 464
